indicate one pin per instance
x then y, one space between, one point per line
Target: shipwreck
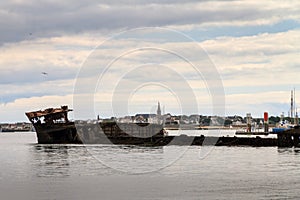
52 126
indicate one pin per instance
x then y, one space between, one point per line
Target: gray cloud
244 62
31 19
35 76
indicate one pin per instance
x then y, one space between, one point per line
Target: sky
116 58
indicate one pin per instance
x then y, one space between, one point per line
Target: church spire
158 110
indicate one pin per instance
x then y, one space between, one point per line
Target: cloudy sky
89 53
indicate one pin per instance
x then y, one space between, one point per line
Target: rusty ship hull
120 133
57 134
52 126
102 133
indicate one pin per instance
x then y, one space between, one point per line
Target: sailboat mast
292 106
295 103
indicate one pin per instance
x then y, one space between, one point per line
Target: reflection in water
295 150
51 160
284 150
31 171
129 158
68 160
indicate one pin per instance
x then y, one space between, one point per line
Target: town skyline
253 48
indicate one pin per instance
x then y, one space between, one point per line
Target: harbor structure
266 122
289 138
249 121
16 127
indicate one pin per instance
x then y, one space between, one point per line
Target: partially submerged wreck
52 126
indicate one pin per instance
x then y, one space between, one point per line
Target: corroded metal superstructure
53 126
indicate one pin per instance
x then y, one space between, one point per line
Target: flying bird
45 73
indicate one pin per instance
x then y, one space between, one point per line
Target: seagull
45 73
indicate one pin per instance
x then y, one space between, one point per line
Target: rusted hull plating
111 133
57 134
98 133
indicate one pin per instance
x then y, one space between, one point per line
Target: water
32 171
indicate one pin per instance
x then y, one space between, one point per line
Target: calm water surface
32 171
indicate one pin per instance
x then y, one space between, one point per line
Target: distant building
144 117
158 112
